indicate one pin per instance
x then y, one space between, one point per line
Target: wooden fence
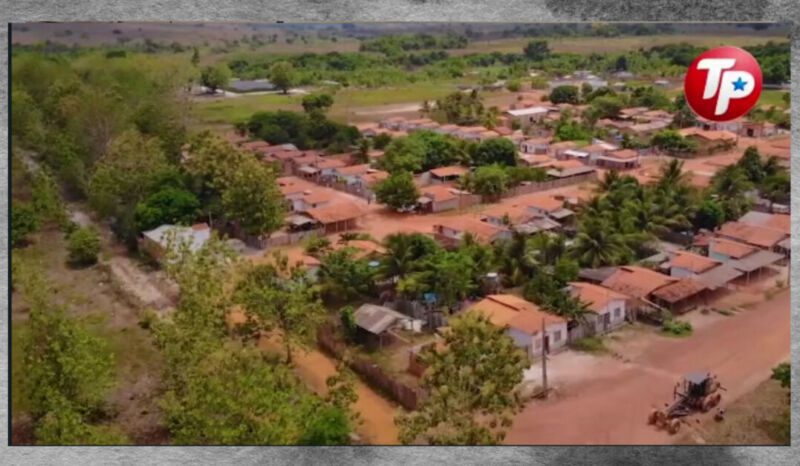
370 372
281 238
536 187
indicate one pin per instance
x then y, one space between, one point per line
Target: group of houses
528 214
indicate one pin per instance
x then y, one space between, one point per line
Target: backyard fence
536 187
281 238
373 375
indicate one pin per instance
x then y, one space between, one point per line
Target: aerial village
596 223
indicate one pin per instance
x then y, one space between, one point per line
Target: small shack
376 324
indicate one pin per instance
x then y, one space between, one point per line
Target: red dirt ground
612 410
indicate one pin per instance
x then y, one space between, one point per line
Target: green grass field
231 110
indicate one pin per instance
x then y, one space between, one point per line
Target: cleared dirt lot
612 407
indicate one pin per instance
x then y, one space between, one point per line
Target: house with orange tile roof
608 308
723 250
759 236
503 215
782 222
639 283
523 322
688 264
438 198
621 159
336 217
445 174
535 160
708 141
450 231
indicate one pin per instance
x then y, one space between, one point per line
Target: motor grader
696 392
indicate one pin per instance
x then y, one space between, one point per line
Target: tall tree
398 191
125 176
282 75
496 151
215 77
537 50
470 385
281 299
252 198
597 244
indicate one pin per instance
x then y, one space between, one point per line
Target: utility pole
544 359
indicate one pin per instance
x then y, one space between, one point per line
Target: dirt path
612 408
377 414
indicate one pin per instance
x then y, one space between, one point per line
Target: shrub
677 328
590 345
83 245
24 221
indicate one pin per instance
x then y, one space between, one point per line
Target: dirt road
612 409
376 413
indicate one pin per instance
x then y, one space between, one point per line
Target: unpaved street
613 408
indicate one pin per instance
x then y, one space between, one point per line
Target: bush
83 245
590 345
24 221
677 328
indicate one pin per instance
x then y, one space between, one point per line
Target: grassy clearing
19 402
586 45
231 110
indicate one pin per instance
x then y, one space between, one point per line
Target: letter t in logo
728 84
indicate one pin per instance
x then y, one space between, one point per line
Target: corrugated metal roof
377 319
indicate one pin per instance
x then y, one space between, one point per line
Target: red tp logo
723 84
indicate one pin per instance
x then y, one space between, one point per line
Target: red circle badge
723 84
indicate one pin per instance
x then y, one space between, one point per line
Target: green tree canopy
398 191
215 77
565 95
470 385
496 151
282 75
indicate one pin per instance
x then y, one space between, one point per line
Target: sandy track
612 408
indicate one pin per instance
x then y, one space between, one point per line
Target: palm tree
598 244
672 175
404 254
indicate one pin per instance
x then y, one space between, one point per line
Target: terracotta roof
534 141
693 262
679 290
335 212
594 148
354 169
542 202
329 163
596 296
453 170
563 145
733 249
707 134
780 222
364 248
535 159
375 176
566 164
318 196
506 309
289 154
439 192
482 231
623 154
516 213
751 234
637 282
292 184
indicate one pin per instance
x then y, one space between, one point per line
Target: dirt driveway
612 408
